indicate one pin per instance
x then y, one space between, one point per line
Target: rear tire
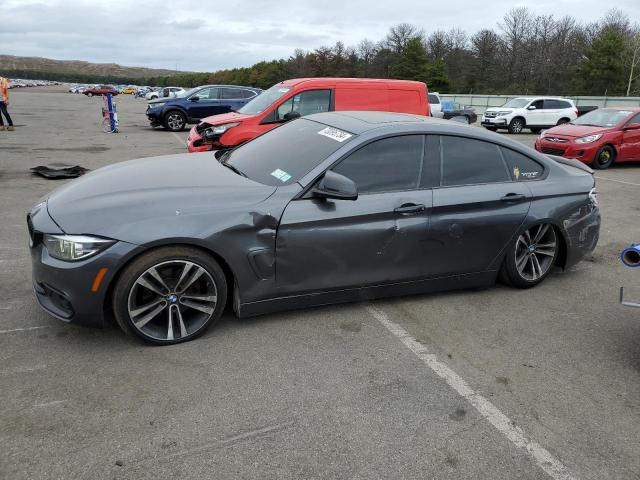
531 256
516 126
170 295
604 157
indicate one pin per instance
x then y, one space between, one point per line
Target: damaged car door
480 204
379 237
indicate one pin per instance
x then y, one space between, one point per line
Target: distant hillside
74 70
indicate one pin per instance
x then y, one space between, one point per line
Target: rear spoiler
571 162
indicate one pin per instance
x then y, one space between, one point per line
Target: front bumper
584 152
196 142
498 122
66 290
155 116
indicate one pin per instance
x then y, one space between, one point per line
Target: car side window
207 94
433 99
522 168
231 93
387 165
246 93
305 103
539 104
634 119
466 161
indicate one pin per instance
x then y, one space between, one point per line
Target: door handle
513 197
409 208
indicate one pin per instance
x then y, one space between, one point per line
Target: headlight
75 247
589 138
219 129
502 114
156 105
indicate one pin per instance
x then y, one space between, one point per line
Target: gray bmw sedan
330 208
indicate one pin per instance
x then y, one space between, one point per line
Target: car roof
360 122
339 80
230 86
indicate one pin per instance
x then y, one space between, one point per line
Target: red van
303 96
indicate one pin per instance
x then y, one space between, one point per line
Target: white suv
534 113
435 104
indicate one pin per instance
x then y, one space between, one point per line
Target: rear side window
235 93
522 168
634 119
433 99
390 164
466 161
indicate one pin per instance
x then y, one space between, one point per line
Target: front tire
170 295
516 125
175 120
604 158
531 256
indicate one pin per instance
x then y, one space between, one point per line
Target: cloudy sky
207 35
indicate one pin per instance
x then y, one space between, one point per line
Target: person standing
4 103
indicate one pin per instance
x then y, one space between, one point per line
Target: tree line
524 54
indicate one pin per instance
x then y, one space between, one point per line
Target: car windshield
284 155
602 117
264 100
516 103
187 93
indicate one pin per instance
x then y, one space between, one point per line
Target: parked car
200 102
435 104
100 90
130 90
456 110
598 138
165 92
291 99
534 113
329 208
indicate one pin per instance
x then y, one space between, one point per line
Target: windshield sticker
334 133
533 174
281 175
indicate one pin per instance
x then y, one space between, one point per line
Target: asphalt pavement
485 384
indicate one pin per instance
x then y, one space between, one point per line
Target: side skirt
440 284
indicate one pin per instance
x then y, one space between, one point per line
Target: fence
482 102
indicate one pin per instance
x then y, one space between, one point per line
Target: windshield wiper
234 169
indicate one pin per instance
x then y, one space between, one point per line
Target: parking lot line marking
49 404
617 181
545 460
26 329
182 142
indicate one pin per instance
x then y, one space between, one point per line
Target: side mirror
633 126
336 186
291 116
531 107
194 98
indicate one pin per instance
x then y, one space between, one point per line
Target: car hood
499 109
574 131
155 197
225 118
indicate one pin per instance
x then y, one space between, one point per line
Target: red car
598 138
100 90
303 96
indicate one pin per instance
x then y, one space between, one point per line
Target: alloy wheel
535 252
172 300
175 121
516 126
